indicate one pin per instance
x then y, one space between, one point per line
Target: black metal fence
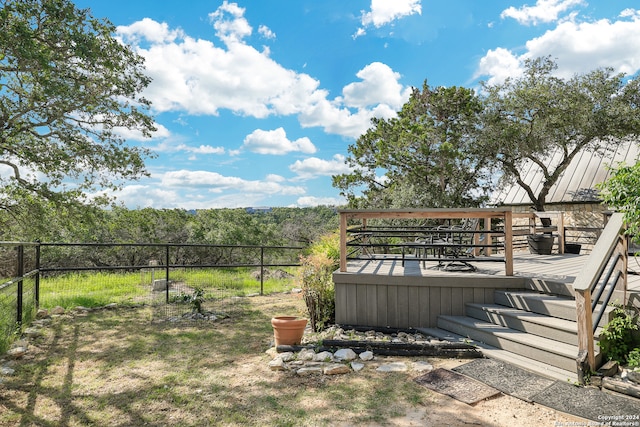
175 279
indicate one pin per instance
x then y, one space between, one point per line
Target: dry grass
117 368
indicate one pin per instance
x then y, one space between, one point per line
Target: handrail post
585 326
508 243
343 242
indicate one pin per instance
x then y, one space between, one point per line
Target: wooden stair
528 328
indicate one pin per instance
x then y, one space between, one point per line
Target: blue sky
256 102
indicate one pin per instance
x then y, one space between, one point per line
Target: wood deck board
561 268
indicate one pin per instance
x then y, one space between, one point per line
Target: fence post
261 270
166 257
37 290
20 273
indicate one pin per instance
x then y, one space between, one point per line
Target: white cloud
543 11
195 76
229 23
266 32
379 85
384 12
276 142
576 46
216 183
169 147
311 201
314 167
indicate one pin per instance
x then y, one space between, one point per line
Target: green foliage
68 88
423 157
538 115
195 299
622 192
633 359
616 339
316 276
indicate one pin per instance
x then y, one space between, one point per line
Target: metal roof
577 184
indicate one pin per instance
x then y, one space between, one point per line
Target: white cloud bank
199 77
276 142
576 46
544 11
384 12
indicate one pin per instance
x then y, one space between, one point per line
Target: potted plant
541 243
288 330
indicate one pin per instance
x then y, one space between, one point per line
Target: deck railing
356 233
604 272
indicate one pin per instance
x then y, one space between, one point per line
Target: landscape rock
277 364
324 356
32 332
159 285
345 354
393 367
287 356
17 352
422 366
57 310
111 306
42 313
306 354
336 369
609 369
634 376
5 370
357 366
308 370
366 355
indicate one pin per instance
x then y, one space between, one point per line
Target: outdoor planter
288 330
540 244
572 248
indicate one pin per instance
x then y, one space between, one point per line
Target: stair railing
604 272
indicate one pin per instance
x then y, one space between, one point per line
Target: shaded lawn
118 368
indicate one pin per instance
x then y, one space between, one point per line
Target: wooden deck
560 268
386 293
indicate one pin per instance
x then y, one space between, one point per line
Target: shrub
317 282
616 339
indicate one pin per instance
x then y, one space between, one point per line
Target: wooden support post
585 325
343 242
508 243
488 237
561 233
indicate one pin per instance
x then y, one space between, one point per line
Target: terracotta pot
288 330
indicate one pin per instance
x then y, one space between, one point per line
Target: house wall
410 301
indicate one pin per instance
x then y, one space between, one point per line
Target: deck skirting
411 301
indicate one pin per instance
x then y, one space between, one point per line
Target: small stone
42 313
634 376
609 369
306 354
336 369
595 381
345 354
5 370
57 310
111 306
357 366
272 352
296 290
309 370
17 352
422 366
287 356
32 332
393 367
366 355
323 356
82 309
159 285
277 364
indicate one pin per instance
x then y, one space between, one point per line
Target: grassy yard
117 368
120 368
